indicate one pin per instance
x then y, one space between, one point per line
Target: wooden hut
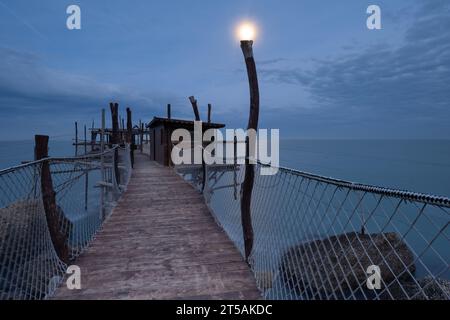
160 134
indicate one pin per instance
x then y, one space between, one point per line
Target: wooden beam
54 215
114 107
130 139
195 108
209 112
247 186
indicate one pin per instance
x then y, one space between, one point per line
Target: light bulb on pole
247 33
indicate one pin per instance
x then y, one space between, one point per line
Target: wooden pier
161 242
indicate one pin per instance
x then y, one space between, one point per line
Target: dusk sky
322 73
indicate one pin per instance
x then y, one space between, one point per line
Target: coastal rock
29 260
339 263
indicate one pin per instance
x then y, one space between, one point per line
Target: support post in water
247 186
130 139
141 126
115 137
85 140
102 165
169 111
197 118
209 112
54 215
76 138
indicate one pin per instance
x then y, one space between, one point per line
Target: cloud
410 81
31 90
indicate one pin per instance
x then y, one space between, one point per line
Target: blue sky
322 73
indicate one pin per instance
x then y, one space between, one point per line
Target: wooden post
85 140
195 108
115 137
209 112
130 139
54 215
235 166
169 111
142 136
247 186
197 118
76 138
93 136
102 165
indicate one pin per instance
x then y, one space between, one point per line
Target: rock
323 266
29 262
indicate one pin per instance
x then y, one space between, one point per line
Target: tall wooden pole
195 108
130 139
76 138
114 107
169 115
247 186
209 112
54 216
197 118
85 140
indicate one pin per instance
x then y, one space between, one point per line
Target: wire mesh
85 190
319 238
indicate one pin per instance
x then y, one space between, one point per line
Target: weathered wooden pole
195 108
130 139
197 118
141 126
54 215
114 107
209 112
85 139
76 138
247 186
102 165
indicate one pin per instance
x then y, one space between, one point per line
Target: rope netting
320 238
86 190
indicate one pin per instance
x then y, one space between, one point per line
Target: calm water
422 166
416 165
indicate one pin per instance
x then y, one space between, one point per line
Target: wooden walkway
161 242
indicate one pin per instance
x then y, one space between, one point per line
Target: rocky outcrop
29 262
338 264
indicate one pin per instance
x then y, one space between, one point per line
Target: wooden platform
161 242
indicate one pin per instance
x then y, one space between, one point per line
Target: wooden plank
161 242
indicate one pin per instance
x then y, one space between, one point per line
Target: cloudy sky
323 74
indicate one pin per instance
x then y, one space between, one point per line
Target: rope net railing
318 238
85 189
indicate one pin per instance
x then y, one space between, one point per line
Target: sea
414 165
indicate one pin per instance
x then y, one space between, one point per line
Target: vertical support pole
102 165
93 137
86 188
76 138
247 186
169 115
130 139
235 166
85 140
115 137
195 108
142 136
197 118
53 214
122 132
209 112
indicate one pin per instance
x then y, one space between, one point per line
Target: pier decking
161 242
